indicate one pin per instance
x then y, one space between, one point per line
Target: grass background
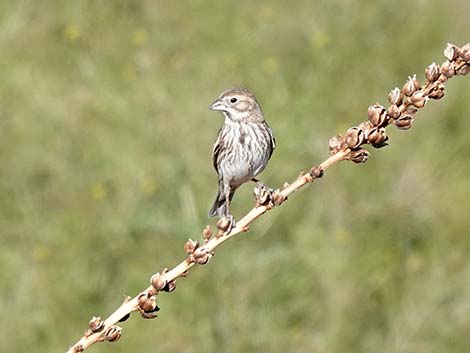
105 171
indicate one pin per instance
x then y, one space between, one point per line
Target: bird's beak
217 105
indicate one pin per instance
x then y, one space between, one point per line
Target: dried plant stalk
404 104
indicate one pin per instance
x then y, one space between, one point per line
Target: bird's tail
219 207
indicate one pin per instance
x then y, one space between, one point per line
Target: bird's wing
216 150
273 141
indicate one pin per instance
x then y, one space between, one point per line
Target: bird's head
238 104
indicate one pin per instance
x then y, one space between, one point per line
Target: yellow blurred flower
149 186
71 32
41 253
320 39
270 65
343 236
140 37
98 192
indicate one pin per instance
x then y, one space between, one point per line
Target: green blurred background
105 162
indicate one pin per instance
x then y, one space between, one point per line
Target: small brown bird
243 147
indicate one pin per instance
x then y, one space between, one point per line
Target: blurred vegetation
105 162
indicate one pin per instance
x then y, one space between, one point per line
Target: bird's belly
243 169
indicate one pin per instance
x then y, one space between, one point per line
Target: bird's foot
264 195
226 224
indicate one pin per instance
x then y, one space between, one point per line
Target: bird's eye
233 100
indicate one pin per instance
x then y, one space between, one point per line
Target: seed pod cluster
147 305
198 254
404 104
112 334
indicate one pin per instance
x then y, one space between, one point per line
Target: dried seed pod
335 144
365 126
393 111
207 233
202 256
378 137
355 137
112 334
409 87
438 91
78 348
190 246
442 78
395 96
147 304
375 113
448 69
451 52
95 324
157 281
358 156
415 82
146 315
464 70
465 52
432 72
404 122
419 99
411 110
316 172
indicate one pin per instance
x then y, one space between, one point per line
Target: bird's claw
226 224
263 195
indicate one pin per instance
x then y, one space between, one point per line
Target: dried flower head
465 52
377 115
78 348
419 99
358 156
190 246
335 144
404 122
202 256
448 69
409 87
393 111
365 126
95 324
451 52
437 91
158 282
207 233
395 96
112 334
463 69
377 137
147 303
432 72
355 137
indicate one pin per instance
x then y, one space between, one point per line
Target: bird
243 147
